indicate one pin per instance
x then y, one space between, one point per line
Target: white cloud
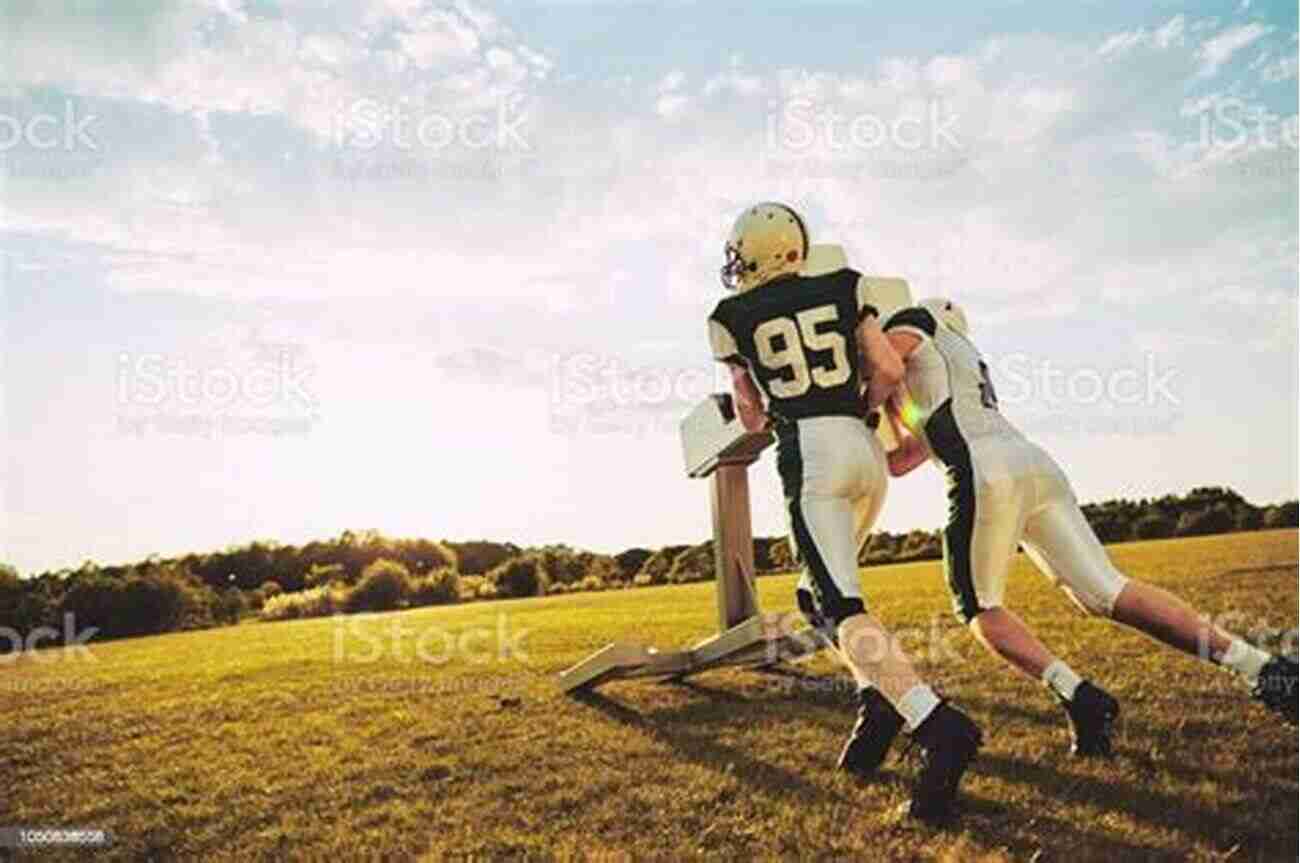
945 71
1171 33
214 56
1123 42
540 63
1282 69
325 50
733 81
441 39
1240 295
1216 51
671 81
670 106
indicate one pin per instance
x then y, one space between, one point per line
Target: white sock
1061 679
1245 660
916 704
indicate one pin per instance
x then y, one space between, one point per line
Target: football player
802 350
1005 491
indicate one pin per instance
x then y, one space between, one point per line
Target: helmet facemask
734 267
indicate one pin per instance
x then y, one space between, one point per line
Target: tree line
367 571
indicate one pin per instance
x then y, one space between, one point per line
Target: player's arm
903 343
894 346
747 399
904 335
911 451
886 366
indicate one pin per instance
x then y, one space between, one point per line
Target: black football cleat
877 726
1275 688
1092 712
949 741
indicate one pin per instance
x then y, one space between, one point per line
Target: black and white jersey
798 338
950 396
1003 490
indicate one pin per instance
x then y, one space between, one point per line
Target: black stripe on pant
831 606
948 444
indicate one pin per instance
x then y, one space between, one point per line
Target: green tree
1282 515
384 585
1205 521
519 577
1154 525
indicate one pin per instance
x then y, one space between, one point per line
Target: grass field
341 739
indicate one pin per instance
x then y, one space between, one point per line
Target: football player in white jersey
802 349
1005 491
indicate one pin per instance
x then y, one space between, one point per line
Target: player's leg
986 521
1004 634
1092 710
821 472
823 529
978 553
984 525
1072 555
878 724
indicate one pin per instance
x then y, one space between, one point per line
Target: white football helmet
947 312
768 240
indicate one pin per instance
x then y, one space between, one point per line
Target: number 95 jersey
797 337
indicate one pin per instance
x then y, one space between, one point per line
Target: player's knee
968 616
1097 598
827 611
808 608
825 614
966 607
842 608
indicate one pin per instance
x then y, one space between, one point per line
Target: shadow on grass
1030 835
678 729
1134 739
1139 801
991 823
1022 831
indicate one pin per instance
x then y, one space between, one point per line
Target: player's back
951 398
797 337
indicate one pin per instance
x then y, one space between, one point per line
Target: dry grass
312 739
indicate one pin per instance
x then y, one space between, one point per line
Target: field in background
439 732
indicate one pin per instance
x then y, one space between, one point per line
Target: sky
272 270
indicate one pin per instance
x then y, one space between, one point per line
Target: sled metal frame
718 448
